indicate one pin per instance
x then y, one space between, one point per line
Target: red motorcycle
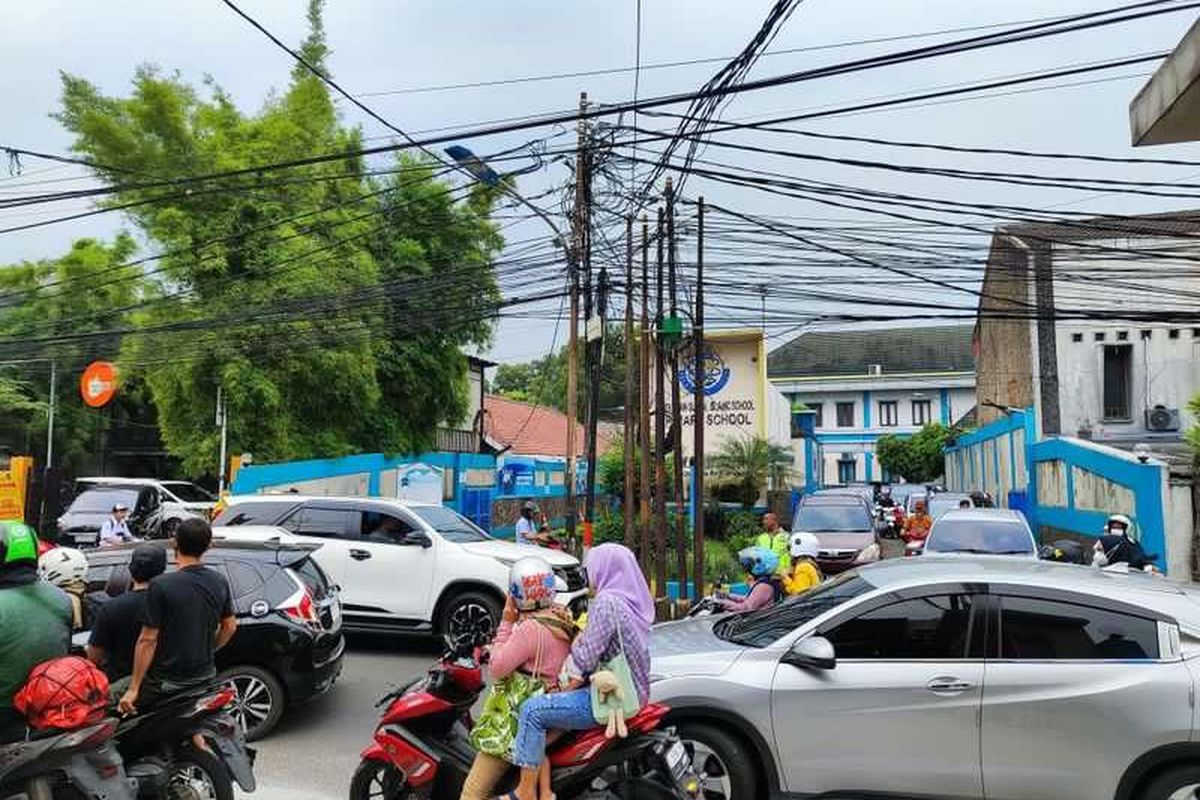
421 749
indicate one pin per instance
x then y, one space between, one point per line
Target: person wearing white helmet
805 573
66 568
1117 546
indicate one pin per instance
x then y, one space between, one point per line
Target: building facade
863 384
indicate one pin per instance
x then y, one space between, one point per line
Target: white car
400 566
979 531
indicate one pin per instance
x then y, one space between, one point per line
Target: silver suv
969 677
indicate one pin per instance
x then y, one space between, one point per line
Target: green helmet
18 544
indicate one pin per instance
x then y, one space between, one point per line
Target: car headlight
868 553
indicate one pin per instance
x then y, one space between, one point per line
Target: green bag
618 665
496 729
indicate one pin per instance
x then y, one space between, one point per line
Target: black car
288 645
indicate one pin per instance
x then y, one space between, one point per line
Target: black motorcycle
79 763
187 747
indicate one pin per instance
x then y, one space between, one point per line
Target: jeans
571 711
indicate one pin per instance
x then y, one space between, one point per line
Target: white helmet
62 566
805 544
531 583
1119 519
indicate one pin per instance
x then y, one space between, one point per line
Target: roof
1167 224
530 430
898 351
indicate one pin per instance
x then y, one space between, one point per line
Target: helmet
886 491
805 544
1064 550
62 566
1119 519
531 583
529 506
759 561
18 544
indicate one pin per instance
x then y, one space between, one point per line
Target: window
1099 337
847 471
832 519
926 628
760 628
385 528
102 499
244 579
1076 337
1146 334
1049 630
845 415
889 417
1173 333
251 513
188 492
922 412
326 523
1122 336
450 524
818 414
1118 379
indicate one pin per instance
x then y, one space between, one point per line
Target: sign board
14 481
98 384
420 483
734 380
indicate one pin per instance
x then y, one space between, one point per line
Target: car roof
286 497
950 496
106 481
838 499
984 515
221 550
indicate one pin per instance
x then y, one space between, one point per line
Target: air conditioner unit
1161 418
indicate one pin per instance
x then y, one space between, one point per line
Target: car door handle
948 685
360 555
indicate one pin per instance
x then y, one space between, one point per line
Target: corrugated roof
944 348
527 429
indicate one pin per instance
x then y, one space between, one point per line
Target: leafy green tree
918 458
1193 435
750 463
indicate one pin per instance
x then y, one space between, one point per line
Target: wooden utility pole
644 405
576 252
681 549
698 376
630 460
660 435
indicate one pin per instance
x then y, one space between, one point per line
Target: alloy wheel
1189 792
470 618
252 704
715 782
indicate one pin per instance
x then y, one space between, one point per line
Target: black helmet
1065 550
18 545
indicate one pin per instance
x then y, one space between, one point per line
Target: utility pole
223 424
698 373
660 435
50 415
575 252
644 402
630 461
595 345
681 558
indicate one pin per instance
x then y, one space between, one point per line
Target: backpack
63 693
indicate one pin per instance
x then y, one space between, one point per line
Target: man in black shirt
189 616
119 621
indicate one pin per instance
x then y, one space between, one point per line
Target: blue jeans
564 711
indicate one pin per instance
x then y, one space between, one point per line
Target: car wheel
260 700
723 762
375 781
469 612
197 775
1177 783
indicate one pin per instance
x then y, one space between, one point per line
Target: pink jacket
517 647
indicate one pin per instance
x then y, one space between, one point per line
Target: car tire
1170 783
466 609
260 699
723 762
202 773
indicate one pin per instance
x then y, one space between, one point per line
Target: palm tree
752 463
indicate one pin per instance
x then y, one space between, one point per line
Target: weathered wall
1004 370
1180 520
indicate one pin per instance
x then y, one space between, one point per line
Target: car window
326 523
314 578
244 579
102 499
761 628
832 518
450 524
384 528
1035 629
148 500
925 628
188 492
940 504
979 536
250 513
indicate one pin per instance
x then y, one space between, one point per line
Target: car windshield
450 524
760 628
941 503
188 492
832 518
979 536
101 499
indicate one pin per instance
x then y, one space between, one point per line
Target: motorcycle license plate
677 756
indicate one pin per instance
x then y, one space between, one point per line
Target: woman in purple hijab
620 613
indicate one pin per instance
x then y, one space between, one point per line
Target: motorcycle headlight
868 554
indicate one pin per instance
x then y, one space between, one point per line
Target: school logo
715 374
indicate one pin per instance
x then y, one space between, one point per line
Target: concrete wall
993 459
1180 534
1004 372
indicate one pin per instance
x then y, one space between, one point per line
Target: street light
489 177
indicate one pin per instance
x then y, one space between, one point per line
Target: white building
863 384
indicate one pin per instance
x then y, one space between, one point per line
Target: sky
382 46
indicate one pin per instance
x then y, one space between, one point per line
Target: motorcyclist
777 539
885 498
66 568
762 565
35 620
917 524
805 572
1117 546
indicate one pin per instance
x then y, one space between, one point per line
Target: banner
14 481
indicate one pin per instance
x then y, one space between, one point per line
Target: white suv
402 567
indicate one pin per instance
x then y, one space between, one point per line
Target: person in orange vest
917 524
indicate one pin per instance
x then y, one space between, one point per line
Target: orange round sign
98 383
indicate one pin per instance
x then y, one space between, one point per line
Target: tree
330 302
1193 435
750 463
918 458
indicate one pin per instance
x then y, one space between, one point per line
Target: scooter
187 747
421 746
82 763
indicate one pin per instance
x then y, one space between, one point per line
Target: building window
1122 336
1173 334
889 417
1099 337
922 412
1147 334
1076 337
847 470
818 414
1118 381
845 415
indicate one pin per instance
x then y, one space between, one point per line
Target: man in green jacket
776 538
35 620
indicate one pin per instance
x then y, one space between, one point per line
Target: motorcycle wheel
375 781
199 775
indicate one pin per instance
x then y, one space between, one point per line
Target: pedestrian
775 538
119 621
115 529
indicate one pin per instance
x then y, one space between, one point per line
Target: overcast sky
380 46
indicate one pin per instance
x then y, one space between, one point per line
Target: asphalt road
314 751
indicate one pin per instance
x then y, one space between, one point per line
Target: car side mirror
813 652
419 538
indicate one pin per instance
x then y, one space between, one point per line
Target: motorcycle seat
579 746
